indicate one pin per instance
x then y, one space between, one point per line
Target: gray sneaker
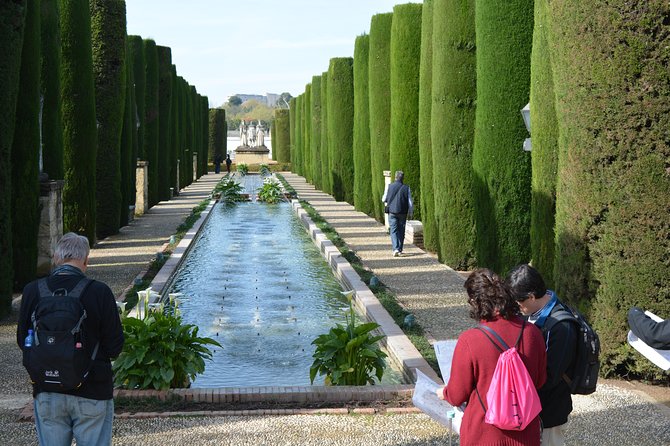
396 253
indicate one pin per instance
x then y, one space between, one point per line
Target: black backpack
587 363
57 360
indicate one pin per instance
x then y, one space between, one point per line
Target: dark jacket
655 334
561 344
399 195
101 324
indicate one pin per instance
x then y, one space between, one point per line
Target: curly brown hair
488 297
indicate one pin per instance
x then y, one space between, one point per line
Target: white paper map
659 357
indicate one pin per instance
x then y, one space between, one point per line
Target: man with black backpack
69 330
570 367
398 205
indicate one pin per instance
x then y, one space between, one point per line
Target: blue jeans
58 416
397 230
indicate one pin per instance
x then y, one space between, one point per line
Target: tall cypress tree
307 131
80 140
501 167
362 183
405 63
341 126
315 140
204 132
12 24
544 157
430 234
108 29
126 158
52 125
293 104
25 190
174 132
164 120
217 134
281 141
151 118
299 135
326 184
136 47
454 98
380 104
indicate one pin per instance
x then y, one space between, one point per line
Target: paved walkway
430 290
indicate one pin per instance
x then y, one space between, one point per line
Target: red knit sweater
474 361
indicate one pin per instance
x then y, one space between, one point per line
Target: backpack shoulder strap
79 288
484 329
564 314
43 287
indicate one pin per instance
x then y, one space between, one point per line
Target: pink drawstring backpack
512 399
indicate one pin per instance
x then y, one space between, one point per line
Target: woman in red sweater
475 359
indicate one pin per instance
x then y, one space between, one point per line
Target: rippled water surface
256 283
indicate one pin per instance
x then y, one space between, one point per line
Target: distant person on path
217 163
228 163
654 334
398 201
541 306
475 359
87 411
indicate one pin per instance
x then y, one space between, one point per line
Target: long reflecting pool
256 283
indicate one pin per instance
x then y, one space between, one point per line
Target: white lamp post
525 114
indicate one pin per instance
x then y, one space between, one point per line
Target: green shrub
264 170
151 116
363 197
175 130
80 144
326 185
380 104
204 134
270 192
501 168
281 142
108 28
217 132
160 351
307 133
297 159
164 110
293 103
405 63
348 355
315 132
136 47
454 98
243 169
229 190
341 127
128 138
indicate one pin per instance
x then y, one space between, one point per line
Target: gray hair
71 247
399 175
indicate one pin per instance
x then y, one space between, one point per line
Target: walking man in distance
398 204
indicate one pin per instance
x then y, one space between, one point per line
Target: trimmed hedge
204 133
544 159
80 141
341 127
299 135
151 118
501 167
363 198
430 234
281 141
454 97
52 125
108 36
293 105
307 132
315 139
326 184
136 46
217 132
128 138
613 190
12 23
183 161
164 121
405 63
175 135
380 105
25 189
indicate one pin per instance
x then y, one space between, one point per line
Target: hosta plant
243 169
270 192
229 191
264 170
348 355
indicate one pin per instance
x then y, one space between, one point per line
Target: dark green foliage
326 184
297 159
52 125
25 191
362 183
217 132
341 127
12 23
151 118
501 167
204 133
610 65
293 104
405 63
136 47
544 157
273 137
175 135
281 140
454 97
80 140
315 139
380 104
128 136
181 150
307 131
430 234
164 121
108 35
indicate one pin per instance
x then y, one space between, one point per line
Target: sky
226 47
